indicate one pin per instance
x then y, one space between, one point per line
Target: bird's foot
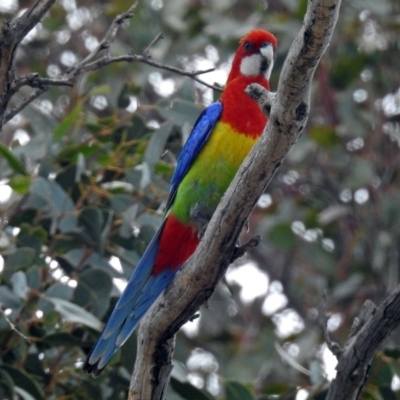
202 231
202 216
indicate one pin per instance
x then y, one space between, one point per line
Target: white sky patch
216 77
5 193
328 244
302 394
391 104
116 264
196 379
68 58
395 385
1 264
288 322
53 71
57 274
78 18
72 283
99 102
156 4
8 5
120 284
16 120
355 144
91 42
69 5
31 35
191 328
334 322
360 95
133 104
275 299
163 87
63 36
153 124
254 282
346 195
361 196
46 107
329 362
273 303
200 359
264 201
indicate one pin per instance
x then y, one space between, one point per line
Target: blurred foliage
88 175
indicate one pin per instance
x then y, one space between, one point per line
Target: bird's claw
202 231
202 216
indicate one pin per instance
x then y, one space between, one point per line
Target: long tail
141 292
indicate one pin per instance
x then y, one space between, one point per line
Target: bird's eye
248 46
265 44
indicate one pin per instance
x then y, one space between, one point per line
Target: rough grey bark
11 34
289 109
370 329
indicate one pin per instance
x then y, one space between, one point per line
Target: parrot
221 138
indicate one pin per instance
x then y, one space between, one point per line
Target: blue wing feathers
196 141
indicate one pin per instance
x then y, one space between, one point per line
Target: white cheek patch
250 66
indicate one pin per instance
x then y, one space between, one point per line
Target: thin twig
27 100
36 81
13 327
100 63
146 53
43 84
11 34
324 317
107 40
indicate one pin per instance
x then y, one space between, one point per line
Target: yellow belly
212 172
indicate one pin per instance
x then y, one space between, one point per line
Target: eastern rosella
221 138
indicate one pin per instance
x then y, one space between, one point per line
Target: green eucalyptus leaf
25 381
15 164
237 391
93 291
179 111
72 313
157 144
20 183
188 391
67 123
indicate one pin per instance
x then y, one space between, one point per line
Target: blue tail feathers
140 293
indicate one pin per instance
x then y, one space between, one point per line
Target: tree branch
13 32
11 35
370 329
197 281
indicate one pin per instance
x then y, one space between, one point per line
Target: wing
196 141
